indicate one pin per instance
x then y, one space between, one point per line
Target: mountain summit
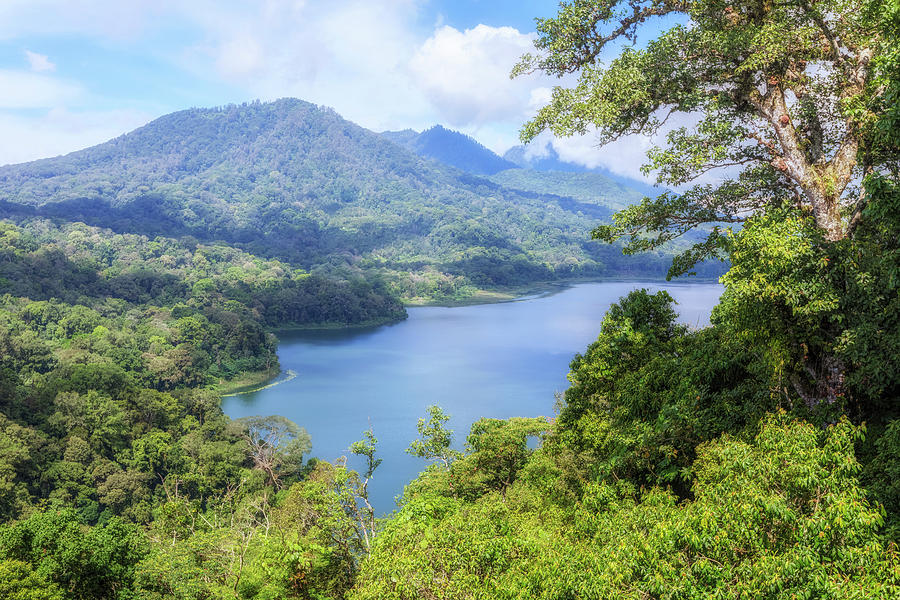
295 181
451 148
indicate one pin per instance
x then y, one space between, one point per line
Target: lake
489 360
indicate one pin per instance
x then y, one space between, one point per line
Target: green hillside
162 312
294 181
592 188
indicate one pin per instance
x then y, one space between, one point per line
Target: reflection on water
490 360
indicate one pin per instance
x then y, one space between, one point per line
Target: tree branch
589 46
826 31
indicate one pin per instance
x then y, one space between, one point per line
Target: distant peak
451 148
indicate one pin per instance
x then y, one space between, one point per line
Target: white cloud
39 62
539 97
240 57
32 90
107 18
624 156
59 131
465 74
348 54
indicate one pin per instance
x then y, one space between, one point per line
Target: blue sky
75 74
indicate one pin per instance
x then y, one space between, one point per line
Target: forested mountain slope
294 181
451 148
547 175
593 188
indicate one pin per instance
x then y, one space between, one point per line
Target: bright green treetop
434 438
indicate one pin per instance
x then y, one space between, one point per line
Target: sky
77 73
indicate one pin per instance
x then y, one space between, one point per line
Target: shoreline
336 326
263 383
247 379
255 381
540 289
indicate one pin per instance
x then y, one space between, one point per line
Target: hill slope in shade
451 148
545 175
294 181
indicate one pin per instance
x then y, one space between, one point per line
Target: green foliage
825 313
497 451
303 543
18 581
434 439
90 437
291 181
882 474
648 391
783 516
366 448
87 563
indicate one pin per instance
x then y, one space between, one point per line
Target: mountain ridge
517 170
294 181
451 148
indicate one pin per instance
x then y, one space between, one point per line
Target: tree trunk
827 212
821 185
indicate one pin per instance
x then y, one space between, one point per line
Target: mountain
451 148
293 181
589 187
546 174
548 159
404 137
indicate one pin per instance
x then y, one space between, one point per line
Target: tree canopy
781 102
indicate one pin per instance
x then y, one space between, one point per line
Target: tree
434 439
496 452
276 444
782 97
792 105
779 515
365 514
95 563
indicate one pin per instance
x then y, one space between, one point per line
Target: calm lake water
490 360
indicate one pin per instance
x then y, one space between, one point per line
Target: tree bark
821 185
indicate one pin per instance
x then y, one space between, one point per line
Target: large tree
779 97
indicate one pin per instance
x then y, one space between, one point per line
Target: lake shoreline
494 361
370 324
498 295
246 380
540 289
257 380
264 383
